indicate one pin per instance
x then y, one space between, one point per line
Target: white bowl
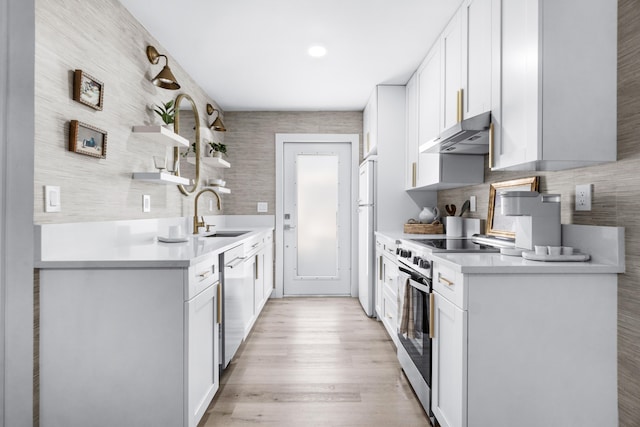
217 182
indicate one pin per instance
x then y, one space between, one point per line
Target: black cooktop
454 245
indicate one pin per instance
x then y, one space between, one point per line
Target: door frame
280 141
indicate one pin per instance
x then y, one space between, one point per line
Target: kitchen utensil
465 207
451 209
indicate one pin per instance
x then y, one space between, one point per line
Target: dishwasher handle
235 262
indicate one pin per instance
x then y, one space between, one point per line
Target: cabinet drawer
449 284
389 311
201 275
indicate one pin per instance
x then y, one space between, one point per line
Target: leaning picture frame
87 139
502 225
87 90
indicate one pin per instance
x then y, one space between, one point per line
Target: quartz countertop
605 245
130 244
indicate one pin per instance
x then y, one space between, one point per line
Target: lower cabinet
448 393
128 347
387 284
524 350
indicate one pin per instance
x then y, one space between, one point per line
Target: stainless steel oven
415 307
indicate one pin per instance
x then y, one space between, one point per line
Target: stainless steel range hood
470 136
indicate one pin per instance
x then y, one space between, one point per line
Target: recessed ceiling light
317 51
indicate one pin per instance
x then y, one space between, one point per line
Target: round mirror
187 125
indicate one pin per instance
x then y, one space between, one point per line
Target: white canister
454 226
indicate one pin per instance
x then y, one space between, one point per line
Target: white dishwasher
232 331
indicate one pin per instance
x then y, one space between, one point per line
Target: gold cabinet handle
459 118
445 281
219 304
432 329
414 172
491 140
368 142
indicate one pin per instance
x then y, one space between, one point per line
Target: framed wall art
502 225
87 139
87 90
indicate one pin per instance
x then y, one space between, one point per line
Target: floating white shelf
220 190
215 162
160 178
160 134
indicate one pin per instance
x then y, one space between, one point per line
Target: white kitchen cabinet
451 52
128 346
392 204
558 74
387 284
478 53
203 353
435 171
429 98
412 139
524 349
370 127
448 395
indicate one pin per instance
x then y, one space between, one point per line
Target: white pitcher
429 214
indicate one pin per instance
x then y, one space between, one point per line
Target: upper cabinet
411 162
438 89
558 73
370 127
452 79
477 55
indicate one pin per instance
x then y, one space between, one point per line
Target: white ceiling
251 55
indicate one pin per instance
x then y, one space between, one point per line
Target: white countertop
495 263
129 244
605 245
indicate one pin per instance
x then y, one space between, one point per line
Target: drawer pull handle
445 281
432 306
204 274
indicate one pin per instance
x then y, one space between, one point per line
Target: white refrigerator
366 240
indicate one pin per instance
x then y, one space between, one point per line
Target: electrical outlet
263 207
146 203
210 205
472 204
583 197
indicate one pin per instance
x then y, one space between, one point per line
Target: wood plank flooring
315 362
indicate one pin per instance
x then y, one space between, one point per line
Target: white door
317 194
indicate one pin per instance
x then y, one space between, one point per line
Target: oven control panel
414 258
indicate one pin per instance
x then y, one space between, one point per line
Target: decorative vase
216 154
169 126
429 214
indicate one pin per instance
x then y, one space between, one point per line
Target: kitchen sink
228 233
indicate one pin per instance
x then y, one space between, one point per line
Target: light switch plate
146 203
263 207
472 204
52 201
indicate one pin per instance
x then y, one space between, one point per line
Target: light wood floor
315 362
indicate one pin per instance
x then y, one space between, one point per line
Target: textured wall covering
615 203
103 39
250 140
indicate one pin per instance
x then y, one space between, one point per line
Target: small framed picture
87 90
87 139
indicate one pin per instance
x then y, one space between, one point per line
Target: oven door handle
420 286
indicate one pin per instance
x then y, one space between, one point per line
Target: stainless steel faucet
197 222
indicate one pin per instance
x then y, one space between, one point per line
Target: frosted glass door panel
317 210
